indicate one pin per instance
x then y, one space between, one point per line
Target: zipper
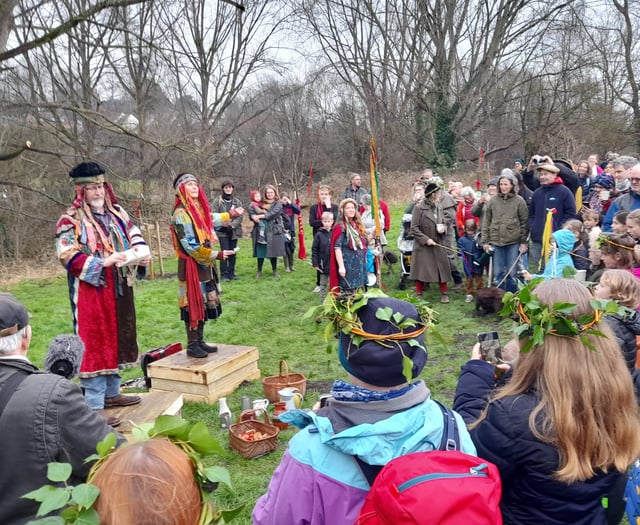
480 470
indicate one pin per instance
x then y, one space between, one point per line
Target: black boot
193 343
210 349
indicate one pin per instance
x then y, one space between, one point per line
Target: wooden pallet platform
153 404
205 380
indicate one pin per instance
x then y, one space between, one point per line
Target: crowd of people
559 462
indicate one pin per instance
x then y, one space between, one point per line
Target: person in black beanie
379 413
228 235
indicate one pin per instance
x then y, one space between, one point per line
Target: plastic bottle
224 413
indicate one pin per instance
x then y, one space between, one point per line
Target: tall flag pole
302 250
375 206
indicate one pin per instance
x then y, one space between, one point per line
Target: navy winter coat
626 327
530 494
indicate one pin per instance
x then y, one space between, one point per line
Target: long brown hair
587 408
148 483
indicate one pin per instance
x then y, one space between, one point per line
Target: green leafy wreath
76 501
341 312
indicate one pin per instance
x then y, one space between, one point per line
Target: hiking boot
195 350
121 401
276 275
225 279
234 277
112 421
458 286
444 299
259 275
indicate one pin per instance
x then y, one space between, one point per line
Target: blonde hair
624 286
634 216
577 388
148 483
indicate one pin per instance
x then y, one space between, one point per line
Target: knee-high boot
193 342
207 348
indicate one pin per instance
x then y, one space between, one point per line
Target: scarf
352 231
343 391
200 214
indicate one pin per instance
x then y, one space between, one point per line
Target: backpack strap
10 386
450 435
450 441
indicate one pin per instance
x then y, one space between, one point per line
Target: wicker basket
252 449
272 384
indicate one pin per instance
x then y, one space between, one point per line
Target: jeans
228 265
504 258
99 387
535 254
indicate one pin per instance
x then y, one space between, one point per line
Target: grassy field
265 313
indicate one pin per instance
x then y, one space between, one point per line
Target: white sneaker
469 299
317 289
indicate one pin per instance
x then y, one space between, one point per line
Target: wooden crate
153 404
205 380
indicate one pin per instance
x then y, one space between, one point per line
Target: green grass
265 313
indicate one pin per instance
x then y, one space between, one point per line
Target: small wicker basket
272 384
253 448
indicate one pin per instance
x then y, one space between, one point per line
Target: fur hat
380 363
64 356
87 173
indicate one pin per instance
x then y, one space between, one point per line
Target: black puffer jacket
626 328
530 494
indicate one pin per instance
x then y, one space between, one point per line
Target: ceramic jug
292 397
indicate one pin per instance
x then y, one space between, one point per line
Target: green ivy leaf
218 475
202 440
55 500
58 472
407 368
169 426
568 272
384 314
88 517
228 515
85 494
105 446
564 308
42 493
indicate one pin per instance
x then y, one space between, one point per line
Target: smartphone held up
490 349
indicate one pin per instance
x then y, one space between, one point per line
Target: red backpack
440 487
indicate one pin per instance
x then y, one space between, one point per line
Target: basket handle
248 415
286 368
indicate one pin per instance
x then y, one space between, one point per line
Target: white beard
97 204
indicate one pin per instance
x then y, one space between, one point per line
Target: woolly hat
227 182
64 356
13 315
521 161
87 173
605 180
493 181
379 363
